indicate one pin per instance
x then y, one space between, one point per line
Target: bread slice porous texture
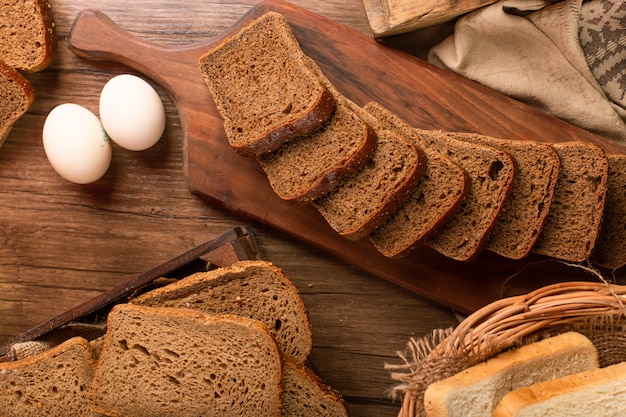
16 97
476 391
28 39
433 201
368 197
491 172
528 203
181 362
53 383
306 168
306 395
262 88
253 289
598 392
573 222
610 249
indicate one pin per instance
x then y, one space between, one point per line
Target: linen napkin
567 59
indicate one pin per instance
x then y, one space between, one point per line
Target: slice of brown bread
253 289
306 168
526 208
573 222
262 87
182 362
27 34
431 204
610 249
491 172
16 97
53 383
306 395
369 196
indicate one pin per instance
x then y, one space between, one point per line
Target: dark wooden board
363 70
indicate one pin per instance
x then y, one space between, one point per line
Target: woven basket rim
503 323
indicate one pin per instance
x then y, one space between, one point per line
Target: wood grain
363 70
394 17
62 244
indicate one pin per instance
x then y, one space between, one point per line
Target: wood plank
394 17
364 70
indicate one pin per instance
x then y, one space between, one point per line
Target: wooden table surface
62 244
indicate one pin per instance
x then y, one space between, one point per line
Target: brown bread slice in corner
306 168
182 362
491 173
255 289
28 38
573 222
16 97
526 208
431 204
53 383
262 87
306 395
610 249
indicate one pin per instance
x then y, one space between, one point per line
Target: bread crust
27 98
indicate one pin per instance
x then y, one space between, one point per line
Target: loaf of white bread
557 376
167 354
515 197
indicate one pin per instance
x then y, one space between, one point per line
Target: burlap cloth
567 59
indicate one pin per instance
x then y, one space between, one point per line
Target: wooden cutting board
363 70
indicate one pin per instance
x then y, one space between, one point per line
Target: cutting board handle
96 37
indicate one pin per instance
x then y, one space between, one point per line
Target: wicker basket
596 310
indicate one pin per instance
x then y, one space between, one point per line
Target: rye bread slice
431 204
306 168
526 208
306 395
182 362
262 88
368 197
610 249
573 223
254 289
53 383
16 97
491 172
28 39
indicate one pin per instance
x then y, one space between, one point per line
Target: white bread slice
182 362
53 383
306 395
478 390
254 289
599 393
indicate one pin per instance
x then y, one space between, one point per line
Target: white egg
75 143
132 112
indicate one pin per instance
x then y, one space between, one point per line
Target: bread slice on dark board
491 172
306 395
431 204
610 249
526 208
16 97
368 197
255 289
53 383
262 88
28 39
182 362
306 168
573 223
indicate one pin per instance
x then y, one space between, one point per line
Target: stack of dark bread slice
234 341
27 44
371 175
